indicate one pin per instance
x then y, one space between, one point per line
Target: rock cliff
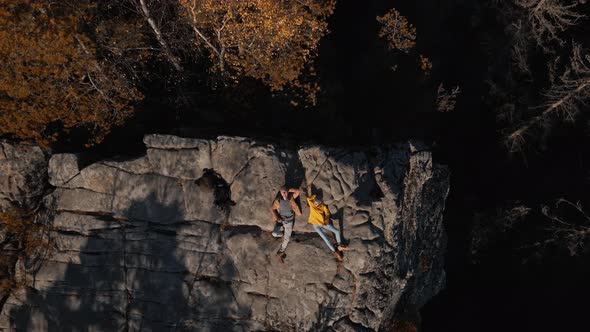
139 245
23 174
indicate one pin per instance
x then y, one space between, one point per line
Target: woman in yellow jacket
319 218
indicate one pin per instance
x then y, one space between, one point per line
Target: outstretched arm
310 197
274 210
295 192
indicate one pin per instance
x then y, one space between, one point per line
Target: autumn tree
397 31
153 26
400 36
24 238
273 41
52 79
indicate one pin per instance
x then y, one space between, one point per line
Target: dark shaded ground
364 102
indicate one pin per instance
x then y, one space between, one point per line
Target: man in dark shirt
284 209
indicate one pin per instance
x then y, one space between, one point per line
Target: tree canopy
269 40
51 79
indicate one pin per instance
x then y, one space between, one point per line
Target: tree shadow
325 314
338 217
135 274
368 191
294 175
295 172
214 182
319 192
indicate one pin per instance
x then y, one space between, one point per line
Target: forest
499 89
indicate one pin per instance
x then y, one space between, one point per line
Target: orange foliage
31 236
400 34
51 80
269 40
29 240
425 64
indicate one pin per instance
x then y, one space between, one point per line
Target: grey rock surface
140 246
23 174
62 168
23 181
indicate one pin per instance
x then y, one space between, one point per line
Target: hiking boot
281 256
338 256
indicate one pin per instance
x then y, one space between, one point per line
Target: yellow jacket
318 216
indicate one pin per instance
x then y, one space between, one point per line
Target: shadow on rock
136 274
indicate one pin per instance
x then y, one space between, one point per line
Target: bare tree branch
574 233
564 97
199 34
446 100
146 14
548 18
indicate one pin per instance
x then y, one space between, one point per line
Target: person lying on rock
319 218
284 209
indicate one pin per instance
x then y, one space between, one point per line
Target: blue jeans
331 228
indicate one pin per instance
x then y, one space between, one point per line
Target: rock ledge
140 246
